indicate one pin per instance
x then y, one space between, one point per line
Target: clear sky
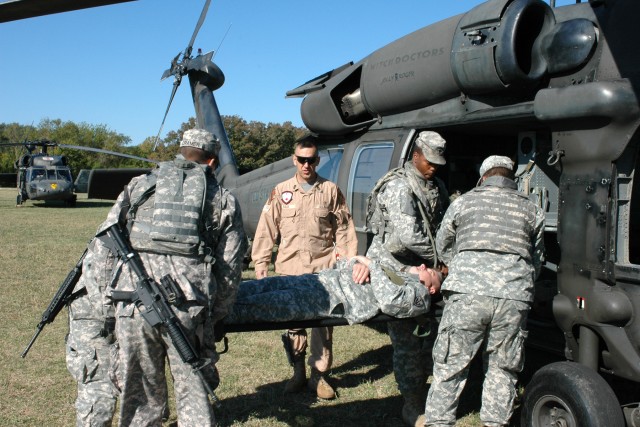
103 65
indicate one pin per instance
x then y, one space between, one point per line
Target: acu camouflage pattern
332 293
467 321
492 267
210 284
487 298
90 342
168 219
406 241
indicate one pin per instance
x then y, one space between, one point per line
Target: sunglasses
303 160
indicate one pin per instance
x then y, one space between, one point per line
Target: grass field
40 244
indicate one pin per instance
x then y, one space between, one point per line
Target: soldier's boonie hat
432 146
495 162
202 139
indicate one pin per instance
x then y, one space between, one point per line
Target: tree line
255 144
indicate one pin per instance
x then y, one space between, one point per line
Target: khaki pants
321 351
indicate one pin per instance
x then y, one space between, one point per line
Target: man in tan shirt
310 217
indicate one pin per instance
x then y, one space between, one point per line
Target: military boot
299 378
413 409
319 385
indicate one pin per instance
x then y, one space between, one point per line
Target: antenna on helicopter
180 67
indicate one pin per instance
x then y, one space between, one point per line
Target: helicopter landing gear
19 200
71 202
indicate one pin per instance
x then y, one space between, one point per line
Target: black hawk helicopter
42 176
557 89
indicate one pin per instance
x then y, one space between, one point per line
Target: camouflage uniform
492 241
209 282
405 242
89 344
330 294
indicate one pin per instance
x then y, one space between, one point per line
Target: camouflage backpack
374 221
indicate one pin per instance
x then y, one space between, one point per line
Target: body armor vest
168 210
497 221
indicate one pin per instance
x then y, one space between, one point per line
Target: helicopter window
370 162
330 163
38 174
51 174
64 175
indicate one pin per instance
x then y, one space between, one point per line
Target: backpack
374 221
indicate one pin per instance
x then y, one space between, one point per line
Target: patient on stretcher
356 289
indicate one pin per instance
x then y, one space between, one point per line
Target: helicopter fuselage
44 177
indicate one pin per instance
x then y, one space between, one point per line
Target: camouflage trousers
468 323
89 348
141 371
412 362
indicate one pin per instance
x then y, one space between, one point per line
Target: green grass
40 244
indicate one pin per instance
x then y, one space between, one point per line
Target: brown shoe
299 378
318 384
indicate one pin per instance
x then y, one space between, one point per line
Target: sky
103 65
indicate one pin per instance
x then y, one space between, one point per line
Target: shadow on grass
305 410
270 404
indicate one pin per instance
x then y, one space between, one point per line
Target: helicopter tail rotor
179 68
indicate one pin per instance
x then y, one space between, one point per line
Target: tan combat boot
413 410
296 383
319 385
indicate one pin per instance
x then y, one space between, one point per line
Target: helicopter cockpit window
330 163
38 174
64 174
370 162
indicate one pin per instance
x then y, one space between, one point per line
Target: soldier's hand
261 274
360 273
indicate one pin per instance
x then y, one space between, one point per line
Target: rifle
63 296
155 299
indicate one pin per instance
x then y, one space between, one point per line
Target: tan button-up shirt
314 228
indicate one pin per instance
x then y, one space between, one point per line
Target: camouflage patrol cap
495 162
202 139
432 146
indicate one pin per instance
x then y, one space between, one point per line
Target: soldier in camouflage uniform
191 229
492 241
89 343
409 209
339 292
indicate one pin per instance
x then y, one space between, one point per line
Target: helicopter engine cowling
501 46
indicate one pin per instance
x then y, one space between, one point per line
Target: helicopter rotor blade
176 83
203 15
113 153
179 68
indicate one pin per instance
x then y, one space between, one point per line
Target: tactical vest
167 213
377 219
498 221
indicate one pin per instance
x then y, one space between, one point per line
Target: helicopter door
370 162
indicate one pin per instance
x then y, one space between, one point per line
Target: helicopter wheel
19 200
71 202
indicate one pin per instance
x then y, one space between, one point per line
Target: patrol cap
495 162
432 146
202 139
